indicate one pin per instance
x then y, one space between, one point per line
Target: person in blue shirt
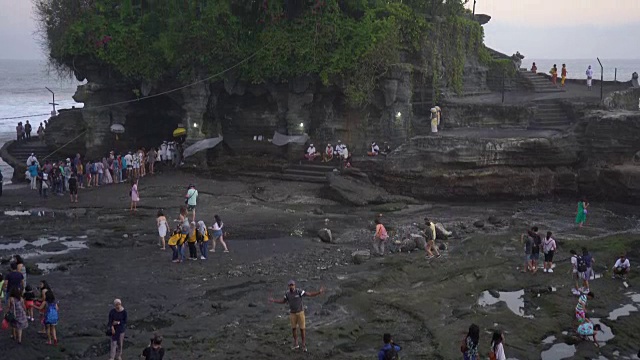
390 350
33 172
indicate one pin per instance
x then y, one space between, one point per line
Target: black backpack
582 264
155 354
391 354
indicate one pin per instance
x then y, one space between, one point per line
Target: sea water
23 92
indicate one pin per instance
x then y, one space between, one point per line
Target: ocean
22 92
576 68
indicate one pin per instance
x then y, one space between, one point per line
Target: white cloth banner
281 140
202 145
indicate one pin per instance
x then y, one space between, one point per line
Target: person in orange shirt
563 74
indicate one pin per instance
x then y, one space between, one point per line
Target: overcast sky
568 29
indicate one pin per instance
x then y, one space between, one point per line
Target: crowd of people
23 131
341 153
563 74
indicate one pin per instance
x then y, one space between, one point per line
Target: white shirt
574 263
549 245
328 150
620 264
31 159
311 150
589 72
129 159
375 148
340 148
163 149
217 227
500 352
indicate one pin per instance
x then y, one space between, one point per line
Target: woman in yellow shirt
191 240
175 238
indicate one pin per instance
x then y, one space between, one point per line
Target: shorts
28 304
297 320
534 257
527 257
580 316
217 234
191 207
587 275
575 275
73 190
548 257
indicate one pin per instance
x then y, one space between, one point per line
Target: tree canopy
346 42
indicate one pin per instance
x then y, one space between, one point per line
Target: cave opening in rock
151 121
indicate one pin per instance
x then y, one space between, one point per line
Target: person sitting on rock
375 149
621 267
311 153
340 147
386 149
328 153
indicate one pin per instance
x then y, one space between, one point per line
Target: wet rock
62 268
419 240
252 305
75 213
360 256
353 187
441 232
407 245
33 270
325 235
494 220
390 207
479 224
318 211
54 247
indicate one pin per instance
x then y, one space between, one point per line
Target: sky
568 29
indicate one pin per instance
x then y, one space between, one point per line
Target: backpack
582 264
391 353
154 354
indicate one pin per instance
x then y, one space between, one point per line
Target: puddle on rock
558 352
35 247
625 310
513 299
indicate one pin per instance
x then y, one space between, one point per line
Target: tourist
151 159
142 155
135 196
128 164
118 168
108 179
88 170
527 240
21 267
51 317
154 351
218 234
534 68
136 164
581 307
27 130
434 120
439 113
379 238
171 149
41 133
80 175
45 184
94 174
185 230
328 153
621 268
100 170
389 350
563 74
375 149
66 173
191 199
31 159
587 329
173 242
469 346
118 326
202 236
17 308
535 249
2 297
311 153
574 272
29 299
586 260
13 280
340 147
430 236
44 289
554 74
163 152
19 131
386 149
589 74
293 297
191 242
581 215
497 346
33 173
73 188
549 248
163 228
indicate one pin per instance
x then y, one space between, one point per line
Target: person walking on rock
549 249
563 74
430 236
135 196
379 238
218 234
51 317
554 74
27 130
389 350
154 351
73 188
497 346
293 297
17 308
202 236
163 228
117 326
581 214
191 199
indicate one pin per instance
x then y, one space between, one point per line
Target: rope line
60 148
158 94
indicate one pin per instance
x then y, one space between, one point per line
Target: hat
116 302
310 144
32 154
291 282
339 141
329 144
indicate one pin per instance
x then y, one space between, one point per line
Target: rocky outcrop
624 100
353 187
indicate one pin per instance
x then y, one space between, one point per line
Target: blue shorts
534 256
217 234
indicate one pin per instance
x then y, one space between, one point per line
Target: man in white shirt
311 153
589 74
129 160
163 151
31 159
340 148
375 149
621 267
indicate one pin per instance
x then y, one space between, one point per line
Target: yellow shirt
192 237
173 240
205 237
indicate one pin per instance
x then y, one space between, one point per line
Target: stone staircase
305 171
16 154
538 83
549 115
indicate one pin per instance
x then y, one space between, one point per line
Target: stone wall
457 115
624 100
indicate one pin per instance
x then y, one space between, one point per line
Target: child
51 317
192 238
29 298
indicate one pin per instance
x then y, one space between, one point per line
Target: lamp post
601 78
53 102
474 8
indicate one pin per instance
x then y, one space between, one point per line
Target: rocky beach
95 251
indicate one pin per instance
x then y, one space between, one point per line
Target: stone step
313 167
304 178
304 172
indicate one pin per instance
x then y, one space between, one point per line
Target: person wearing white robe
311 153
589 74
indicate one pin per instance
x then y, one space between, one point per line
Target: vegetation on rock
348 43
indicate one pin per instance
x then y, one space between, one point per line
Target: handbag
10 317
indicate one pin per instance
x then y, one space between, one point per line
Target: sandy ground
218 308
